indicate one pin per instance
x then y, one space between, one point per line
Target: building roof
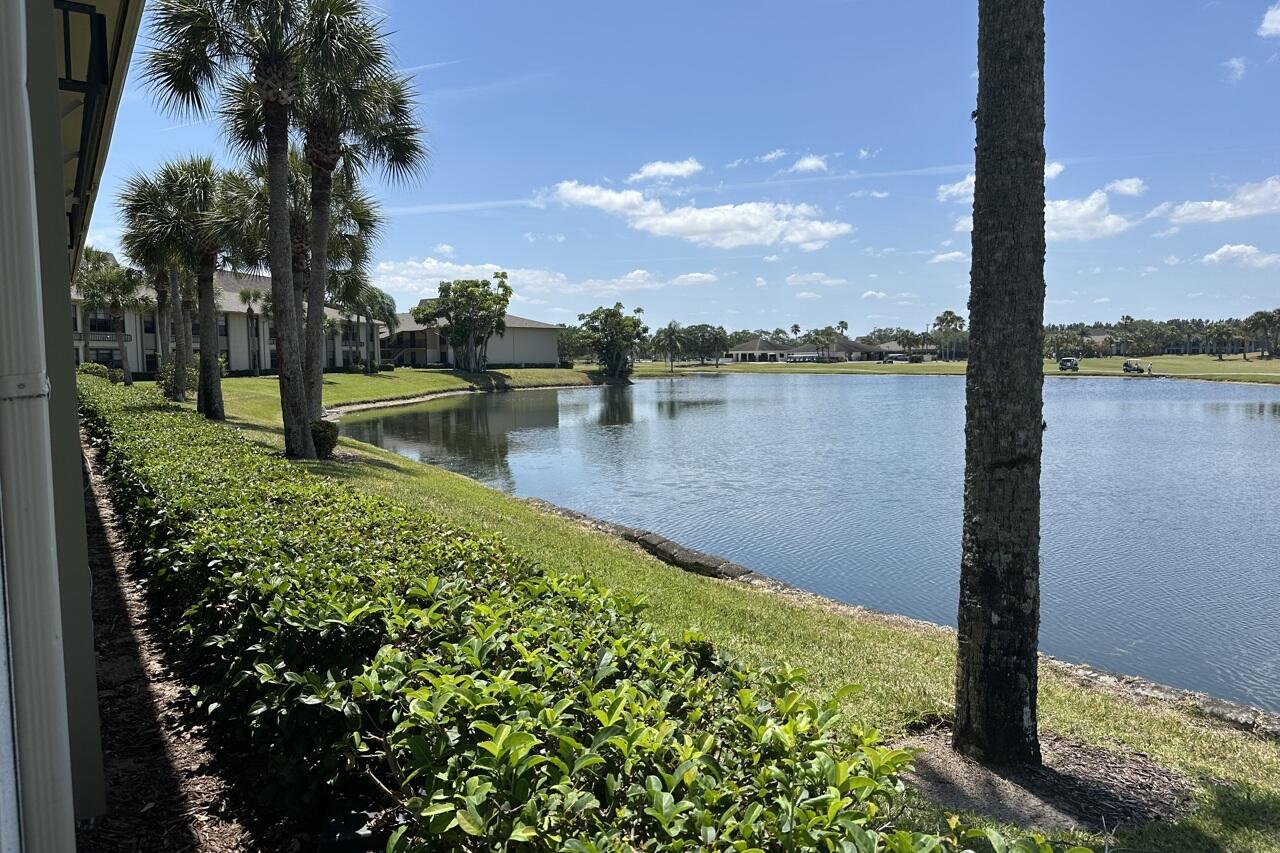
408 324
843 344
229 285
759 345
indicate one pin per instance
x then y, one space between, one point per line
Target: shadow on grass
1228 818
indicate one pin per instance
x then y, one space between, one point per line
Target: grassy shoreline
906 670
1197 367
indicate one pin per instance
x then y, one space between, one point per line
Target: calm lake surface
1161 527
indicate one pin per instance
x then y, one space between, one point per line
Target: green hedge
501 705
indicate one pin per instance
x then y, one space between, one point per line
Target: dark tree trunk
209 393
181 333
321 189
293 400
125 372
161 284
999 614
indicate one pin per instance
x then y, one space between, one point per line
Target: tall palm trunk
999 613
161 285
209 393
181 329
293 401
121 334
254 329
321 192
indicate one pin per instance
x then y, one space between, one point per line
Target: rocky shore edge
1234 714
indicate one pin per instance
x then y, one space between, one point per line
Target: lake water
1161 522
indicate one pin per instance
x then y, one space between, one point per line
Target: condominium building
246 337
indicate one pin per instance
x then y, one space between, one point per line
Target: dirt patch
1079 786
165 789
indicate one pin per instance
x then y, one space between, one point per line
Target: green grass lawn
258 398
906 671
1230 369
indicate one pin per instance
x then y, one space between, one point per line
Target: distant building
758 349
245 340
526 343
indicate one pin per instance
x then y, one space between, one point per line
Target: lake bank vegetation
495 703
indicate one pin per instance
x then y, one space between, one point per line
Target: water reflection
618 407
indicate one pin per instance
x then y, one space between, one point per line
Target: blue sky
758 164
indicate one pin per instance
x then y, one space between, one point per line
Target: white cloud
1082 219
807 294
1060 301
1270 22
1172 260
1242 255
813 278
869 193
665 170
412 279
1102 300
810 163
868 153
1168 232
1053 170
1249 200
725 226
963 224
444 249
1128 186
949 258
695 278
959 191
760 282
775 154
1236 67
874 294
771 259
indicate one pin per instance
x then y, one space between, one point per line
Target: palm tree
843 327
948 324
200 48
669 340
1219 334
106 286
999 610
195 189
354 227
150 241
250 298
795 330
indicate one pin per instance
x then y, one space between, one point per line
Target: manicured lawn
1230 369
906 671
259 397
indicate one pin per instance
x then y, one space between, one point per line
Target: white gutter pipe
35 736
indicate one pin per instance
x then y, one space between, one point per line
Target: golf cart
1068 363
1133 365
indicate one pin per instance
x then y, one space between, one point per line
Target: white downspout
34 728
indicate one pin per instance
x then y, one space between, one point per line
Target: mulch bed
166 790
1079 785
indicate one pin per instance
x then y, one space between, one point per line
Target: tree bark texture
321 190
209 392
293 401
999 612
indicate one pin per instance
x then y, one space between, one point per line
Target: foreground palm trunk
293 401
321 191
181 328
999 616
209 392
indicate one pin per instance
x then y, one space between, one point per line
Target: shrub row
499 705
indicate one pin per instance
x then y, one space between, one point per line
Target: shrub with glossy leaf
92 368
502 706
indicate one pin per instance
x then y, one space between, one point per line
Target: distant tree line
1259 332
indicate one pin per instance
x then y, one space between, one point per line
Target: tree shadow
171 784
147 803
